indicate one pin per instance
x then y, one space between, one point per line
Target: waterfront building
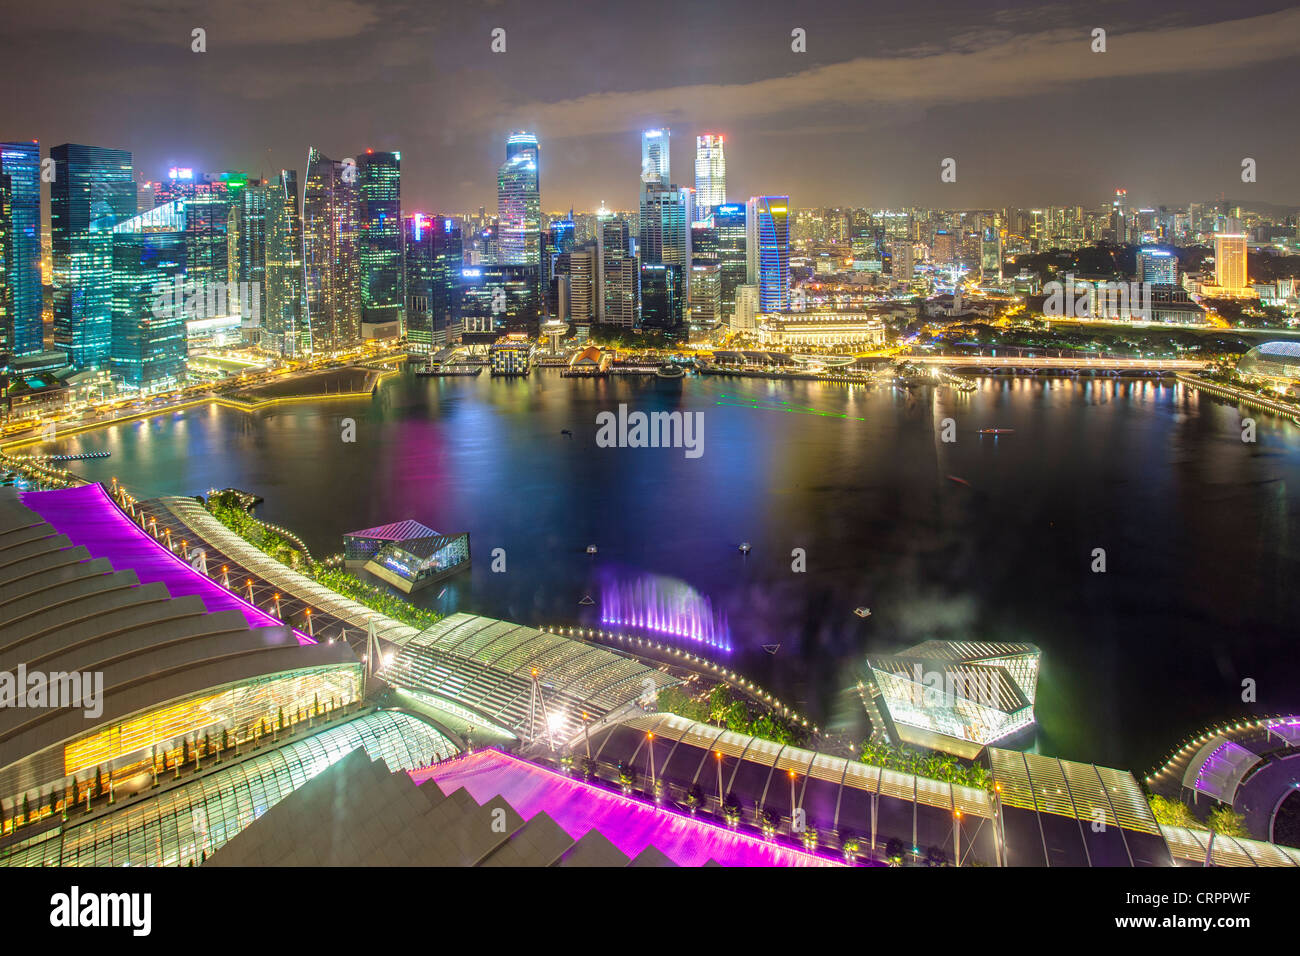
406 554
731 240
433 258
745 311
331 253
379 178
768 248
822 328
1276 363
519 203
664 248
93 190
149 329
497 299
710 173
618 274
705 297
512 355
6 271
956 696
23 330
662 297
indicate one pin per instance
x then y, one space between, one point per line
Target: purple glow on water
89 518
631 825
665 606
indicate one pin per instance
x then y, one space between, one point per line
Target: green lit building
148 341
379 176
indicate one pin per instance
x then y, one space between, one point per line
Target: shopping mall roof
397 531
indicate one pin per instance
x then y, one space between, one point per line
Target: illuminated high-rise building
148 339
284 305
1157 267
379 176
433 267
93 190
1230 261
710 173
731 238
6 269
768 248
21 163
618 274
665 244
246 253
1119 216
331 214
208 202
519 204
655 159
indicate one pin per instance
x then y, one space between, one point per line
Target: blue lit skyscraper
733 260
1157 266
21 162
768 251
433 267
519 204
93 190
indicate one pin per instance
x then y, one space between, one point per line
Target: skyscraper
1230 261
665 242
331 255
380 178
246 253
93 190
618 274
519 204
148 341
1157 267
655 159
21 162
768 247
710 173
733 260
284 329
433 268
6 269
208 201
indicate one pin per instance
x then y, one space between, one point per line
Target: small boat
744 547
996 431
586 600
591 549
862 611
565 431
669 370
771 648
960 481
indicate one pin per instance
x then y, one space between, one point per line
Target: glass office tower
93 190
148 321
769 251
710 173
433 265
655 160
519 204
379 175
21 163
331 256
733 261
283 325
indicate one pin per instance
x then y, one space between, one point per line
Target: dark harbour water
1200 530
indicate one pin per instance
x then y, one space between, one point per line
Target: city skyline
853 121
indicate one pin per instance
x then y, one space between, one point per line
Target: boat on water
862 611
996 431
744 547
591 549
669 370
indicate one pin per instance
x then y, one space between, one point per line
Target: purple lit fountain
666 606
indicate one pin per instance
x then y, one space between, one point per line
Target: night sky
885 91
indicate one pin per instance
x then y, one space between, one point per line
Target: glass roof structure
487 666
186 823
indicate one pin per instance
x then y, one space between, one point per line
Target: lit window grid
180 826
953 716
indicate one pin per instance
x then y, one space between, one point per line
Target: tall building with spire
519 203
93 190
710 174
331 216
